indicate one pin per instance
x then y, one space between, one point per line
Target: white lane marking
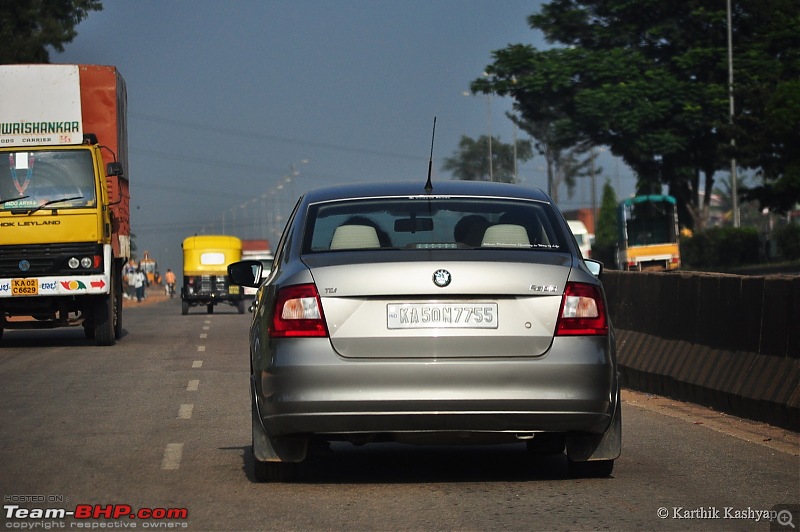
204 335
197 364
193 385
206 328
172 456
201 348
185 411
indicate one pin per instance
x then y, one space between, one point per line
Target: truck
205 272
64 198
648 235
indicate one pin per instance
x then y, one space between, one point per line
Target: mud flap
606 446
271 449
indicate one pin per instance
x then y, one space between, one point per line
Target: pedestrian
169 278
138 284
130 278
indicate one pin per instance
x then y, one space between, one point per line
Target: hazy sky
226 97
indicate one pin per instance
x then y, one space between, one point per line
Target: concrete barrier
726 341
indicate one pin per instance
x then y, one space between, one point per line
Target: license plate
233 289
441 315
24 287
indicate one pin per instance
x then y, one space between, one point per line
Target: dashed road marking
185 411
172 456
201 348
204 335
197 364
193 385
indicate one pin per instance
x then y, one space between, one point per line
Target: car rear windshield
432 223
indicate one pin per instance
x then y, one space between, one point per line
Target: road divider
726 341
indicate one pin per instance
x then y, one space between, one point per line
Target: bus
648 233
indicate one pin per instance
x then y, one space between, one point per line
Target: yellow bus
205 272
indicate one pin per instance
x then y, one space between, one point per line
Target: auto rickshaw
205 272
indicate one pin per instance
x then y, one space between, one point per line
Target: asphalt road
161 421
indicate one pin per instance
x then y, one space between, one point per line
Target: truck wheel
210 308
104 320
240 306
184 307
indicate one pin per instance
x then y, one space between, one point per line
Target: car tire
240 306
591 469
274 471
210 309
184 308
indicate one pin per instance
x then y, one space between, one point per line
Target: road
161 421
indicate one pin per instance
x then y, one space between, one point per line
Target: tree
565 163
649 79
28 27
471 161
605 238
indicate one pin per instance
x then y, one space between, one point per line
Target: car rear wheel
210 308
184 308
591 469
274 471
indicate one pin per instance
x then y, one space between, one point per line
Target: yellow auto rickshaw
205 272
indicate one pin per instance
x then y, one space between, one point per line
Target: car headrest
506 235
355 237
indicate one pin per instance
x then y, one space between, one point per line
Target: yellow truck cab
205 272
64 201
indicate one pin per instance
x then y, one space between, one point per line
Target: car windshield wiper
3 202
46 203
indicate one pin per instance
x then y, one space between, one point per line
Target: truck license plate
24 287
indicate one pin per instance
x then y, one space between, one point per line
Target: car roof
440 188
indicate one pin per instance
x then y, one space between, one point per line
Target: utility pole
734 184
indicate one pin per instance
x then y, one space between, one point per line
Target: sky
236 107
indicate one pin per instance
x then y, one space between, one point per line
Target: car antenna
428 185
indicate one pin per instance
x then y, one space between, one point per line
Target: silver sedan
458 314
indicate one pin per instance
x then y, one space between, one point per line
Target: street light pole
734 179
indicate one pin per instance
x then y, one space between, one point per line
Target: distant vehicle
461 314
150 268
205 276
582 236
648 233
258 250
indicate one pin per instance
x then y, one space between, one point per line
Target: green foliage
649 79
471 161
605 242
28 27
787 238
721 247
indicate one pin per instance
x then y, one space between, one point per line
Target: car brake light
298 312
582 311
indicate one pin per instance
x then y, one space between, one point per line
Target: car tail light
298 312
582 311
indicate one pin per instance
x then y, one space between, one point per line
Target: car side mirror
246 273
595 266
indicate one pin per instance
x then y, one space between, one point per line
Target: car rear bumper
310 390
